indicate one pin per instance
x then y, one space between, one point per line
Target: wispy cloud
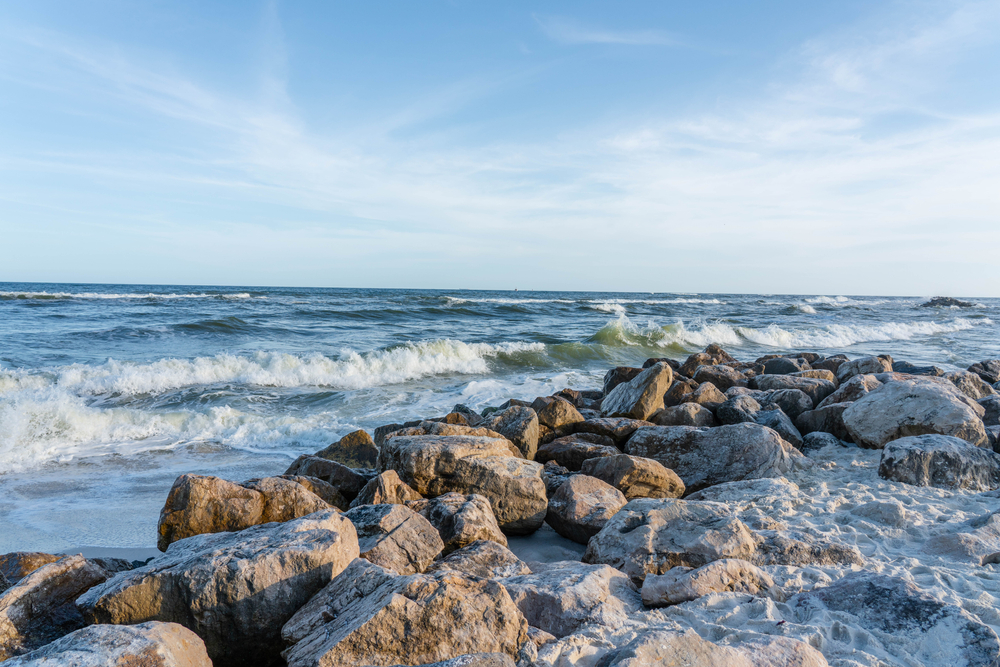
568 31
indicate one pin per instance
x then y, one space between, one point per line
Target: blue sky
836 147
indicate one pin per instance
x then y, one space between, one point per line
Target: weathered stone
800 549
395 537
19 564
484 559
818 440
386 489
572 450
680 392
618 375
234 590
354 450
491 467
568 595
991 410
150 644
687 649
898 613
708 395
651 536
368 616
41 607
713 354
970 384
814 388
832 364
908 407
581 507
785 366
619 429
342 478
519 425
827 419
703 457
640 397
989 370
554 476
685 414
559 413
941 461
729 575
793 402
857 387
863 366
326 491
723 377
738 410
198 504
818 374
635 477
778 421
911 369
385 430
460 520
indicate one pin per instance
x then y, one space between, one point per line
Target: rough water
108 392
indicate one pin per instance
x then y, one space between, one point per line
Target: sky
841 147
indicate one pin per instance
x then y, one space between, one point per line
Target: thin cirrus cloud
568 31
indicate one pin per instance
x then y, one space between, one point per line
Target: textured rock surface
989 370
703 457
651 536
827 419
519 425
568 595
41 607
729 575
581 507
619 429
685 414
814 388
640 397
685 648
722 377
234 590
460 519
342 478
354 450
483 559
857 387
738 410
792 402
912 407
395 537
636 477
572 450
18 564
368 616
150 644
941 461
386 489
778 421
863 366
970 384
558 413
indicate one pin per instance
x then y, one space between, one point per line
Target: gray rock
989 370
460 519
395 537
738 410
619 429
827 419
991 410
519 425
342 478
572 450
911 369
685 414
941 461
680 391
640 397
970 384
636 477
234 590
703 457
554 476
617 376
792 402
484 559
815 388
708 395
785 366
385 489
728 575
863 366
857 387
723 377
581 507
817 440
778 421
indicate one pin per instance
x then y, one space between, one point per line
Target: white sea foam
455 299
103 295
844 301
806 308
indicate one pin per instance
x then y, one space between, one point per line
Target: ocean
109 392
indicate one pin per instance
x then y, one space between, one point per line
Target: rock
947 302
685 414
386 489
800 549
519 425
898 613
354 450
792 402
712 355
619 429
817 440
831 364
989 370
368 616
910 369
635 477
828 419
581 507
651 536
395 537
738 410
475 660
491 467
18 564
941 461
818 374
559 413
703 457
234 590
385 430
909 407
554 476
680 391
814 388
784 366
484 559
40 607
460 520
150 644
539 637
991 410
198 504
708 395
640 397
572 450
326 491
342 478
970 384
863 366
723 377
778 421
568 595
857 387
617 376
729 575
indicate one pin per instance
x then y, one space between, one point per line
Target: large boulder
989 370
991 410
619 429
640 397
970 384
149 644
354 450
703 457
559 413
738 410
519 425
369 616
650 536
914 407
778 421
729 575
857 387
490 467
567 595
942 461
710 356
581 507
792 402
348 482
395 537
723 377
685 414
41 607
617 376
634 476
572 450
386 489
785 366
198 504
863 366
460 519
827 419
815 388
484 559
234 590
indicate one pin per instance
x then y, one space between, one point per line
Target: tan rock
519 425
729 575
395 537
685 414
642 396
572 450
342 478
18 564
856 387
386 489
354 450
484 559
582 506
636 477
460 519
326 491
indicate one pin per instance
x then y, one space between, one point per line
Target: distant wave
456 299
844 301
44 296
